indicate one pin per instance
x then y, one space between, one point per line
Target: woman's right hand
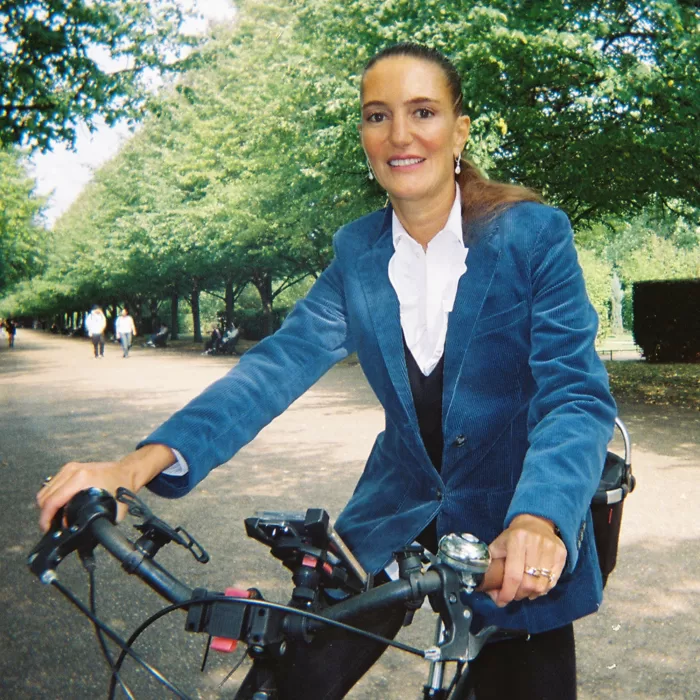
132 472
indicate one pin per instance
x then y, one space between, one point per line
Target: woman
125 330
467 308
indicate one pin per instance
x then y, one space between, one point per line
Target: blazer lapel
484 251
383 306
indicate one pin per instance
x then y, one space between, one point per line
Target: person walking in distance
125 330
95 325
11 330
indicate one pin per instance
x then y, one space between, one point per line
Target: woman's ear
462 129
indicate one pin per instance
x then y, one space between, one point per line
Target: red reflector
223 645
309 561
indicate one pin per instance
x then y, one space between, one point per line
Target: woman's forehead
404 77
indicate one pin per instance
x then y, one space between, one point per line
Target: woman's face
409 130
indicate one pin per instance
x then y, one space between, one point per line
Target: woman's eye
424 113
376 117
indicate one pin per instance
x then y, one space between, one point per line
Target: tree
593 103
63 61
22 241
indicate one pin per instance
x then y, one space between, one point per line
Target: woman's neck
423 221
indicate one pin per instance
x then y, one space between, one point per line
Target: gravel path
58 404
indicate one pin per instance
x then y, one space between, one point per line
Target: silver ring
537 572
46 481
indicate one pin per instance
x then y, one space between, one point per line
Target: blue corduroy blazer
526 415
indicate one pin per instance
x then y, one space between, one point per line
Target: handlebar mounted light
155 533
59 541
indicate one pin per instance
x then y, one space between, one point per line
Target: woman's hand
132 472
528 545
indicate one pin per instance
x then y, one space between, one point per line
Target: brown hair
481 197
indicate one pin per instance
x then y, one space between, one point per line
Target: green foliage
251 161
593 103
52 63
598 276
22 241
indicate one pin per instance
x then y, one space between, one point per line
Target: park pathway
58 404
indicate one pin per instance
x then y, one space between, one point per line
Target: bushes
666 320
598 276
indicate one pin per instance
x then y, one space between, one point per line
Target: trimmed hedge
667 320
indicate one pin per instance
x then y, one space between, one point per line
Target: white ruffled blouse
425 281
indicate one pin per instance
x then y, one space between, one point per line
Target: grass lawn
658 384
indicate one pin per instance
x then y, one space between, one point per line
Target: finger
69 481
513 576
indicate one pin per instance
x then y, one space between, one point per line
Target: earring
458 167
370 173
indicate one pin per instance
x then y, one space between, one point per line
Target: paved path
57 403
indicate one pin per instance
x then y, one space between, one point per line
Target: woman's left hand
534 559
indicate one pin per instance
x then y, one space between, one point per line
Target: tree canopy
22 241
250 162
63 61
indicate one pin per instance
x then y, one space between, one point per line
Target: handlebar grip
135 562
493 578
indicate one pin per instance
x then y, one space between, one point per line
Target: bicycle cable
119 641
259 603
90 568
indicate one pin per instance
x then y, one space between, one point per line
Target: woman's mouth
404 162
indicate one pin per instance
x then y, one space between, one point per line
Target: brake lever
61 541
155 533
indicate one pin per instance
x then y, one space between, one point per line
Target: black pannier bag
616 482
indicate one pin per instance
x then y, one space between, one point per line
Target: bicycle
308 546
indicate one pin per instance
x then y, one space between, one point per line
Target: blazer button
460 440
438 494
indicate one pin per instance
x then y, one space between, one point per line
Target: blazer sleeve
228 414
571 415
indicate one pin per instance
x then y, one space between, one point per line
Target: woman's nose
400 134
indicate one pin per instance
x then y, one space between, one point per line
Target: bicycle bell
467 555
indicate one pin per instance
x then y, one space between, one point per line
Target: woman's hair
480 196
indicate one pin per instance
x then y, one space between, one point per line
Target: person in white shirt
95 325
466 306
125 330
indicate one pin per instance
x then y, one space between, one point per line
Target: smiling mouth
401 162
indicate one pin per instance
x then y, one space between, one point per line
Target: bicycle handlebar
135 562
91 519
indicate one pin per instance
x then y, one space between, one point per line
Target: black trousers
98 340
538 667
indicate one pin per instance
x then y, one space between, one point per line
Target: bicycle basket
606 507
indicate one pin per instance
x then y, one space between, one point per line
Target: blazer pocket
502 319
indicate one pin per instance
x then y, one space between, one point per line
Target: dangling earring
370 173
458 167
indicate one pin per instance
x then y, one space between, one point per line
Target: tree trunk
229 304
195 311
155 320
263 284
174 333
114 316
